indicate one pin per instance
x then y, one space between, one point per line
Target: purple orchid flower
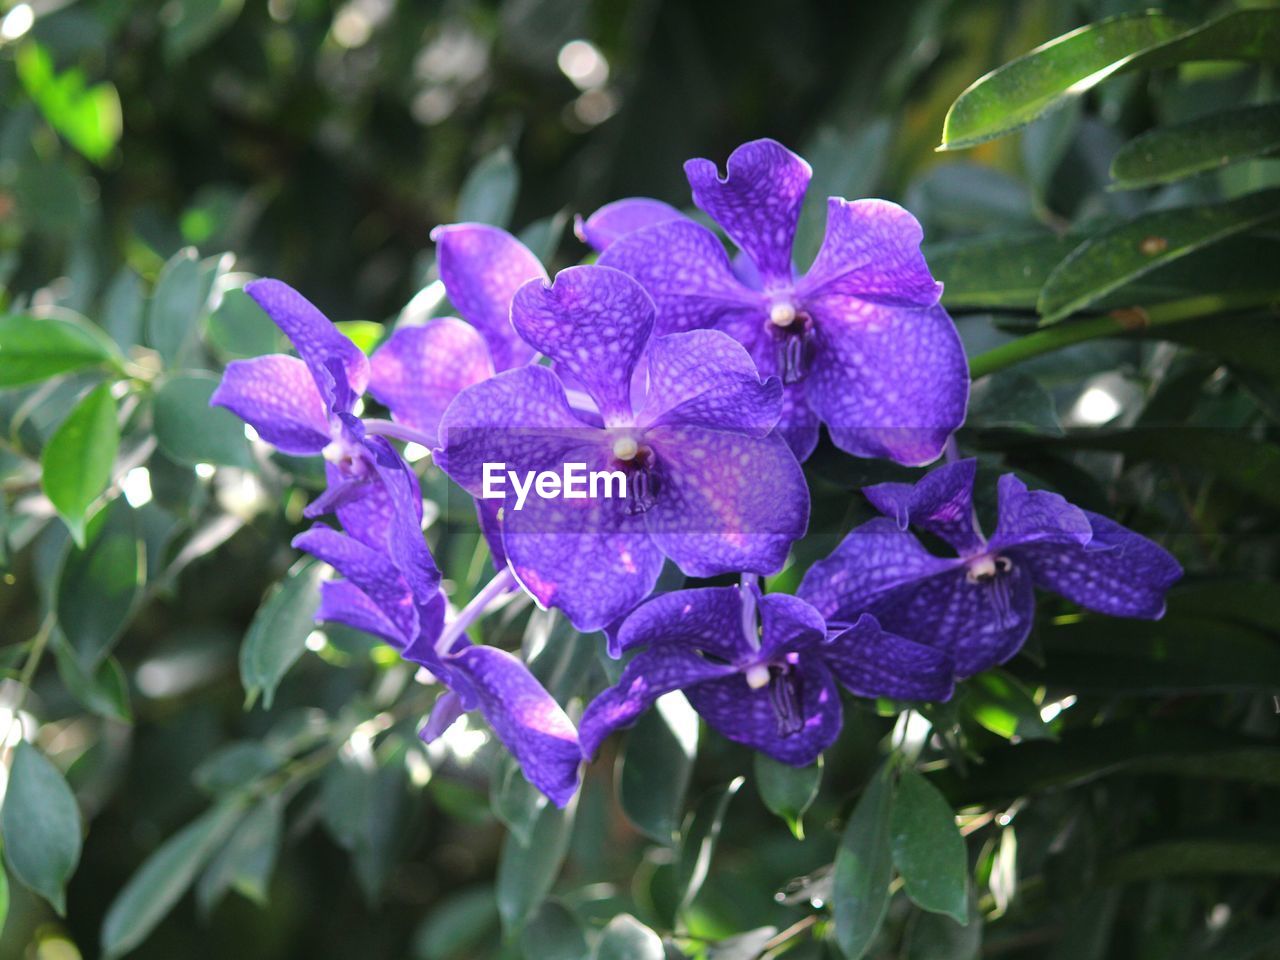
304 407
859 340
978 606
419 370
394 593
708 485
769 683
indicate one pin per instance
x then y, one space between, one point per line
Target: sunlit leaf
1004 706
1071 65
76 463
33 349
1117 256
88 116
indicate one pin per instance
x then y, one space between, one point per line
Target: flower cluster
701 380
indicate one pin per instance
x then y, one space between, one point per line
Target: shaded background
320 143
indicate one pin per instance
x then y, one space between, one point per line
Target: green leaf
526 872
1012 400
278 634
543 236
99 585
165 876
239 328
626 938
554 933
700 835
123 309
457 926
177 304
998 272
786 790
89 117
845 163
365 334
928 850
248 859
190 431
488 195
514 800
933 936
195 23
41 826
4 898
1004 706
863 868
1246 465
76 463
234 767
104 691
655 767
1069 66
1206 143
1120 255
34 349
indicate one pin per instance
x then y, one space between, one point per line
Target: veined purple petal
980 624
591 559
489 516
753 717
872 663
1118 572
726 502
788 624
341 601
482 267
370 571
757 202
889 382
1036 516
706 618
405 544
621 217
526 719
329 355
871 251
276 396
685 270
872 560
520 418
651 674
705 378
941 502
419 370
594 322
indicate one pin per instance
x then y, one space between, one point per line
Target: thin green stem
1116 323
39 644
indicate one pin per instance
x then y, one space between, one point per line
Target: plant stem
1117 322
39 643
499 585
398 431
